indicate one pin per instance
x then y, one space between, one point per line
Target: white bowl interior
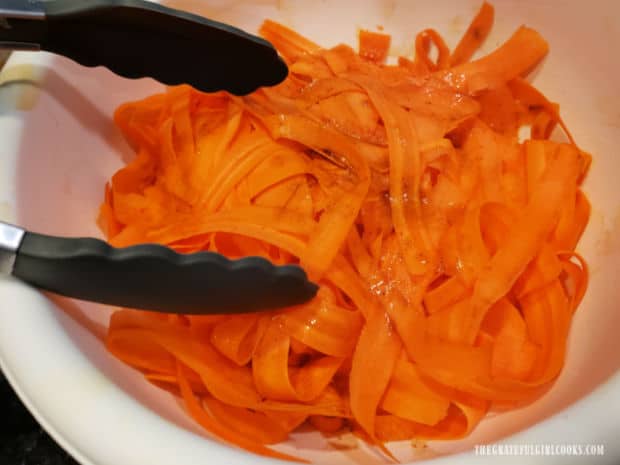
64 147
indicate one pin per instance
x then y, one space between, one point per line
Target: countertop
22 441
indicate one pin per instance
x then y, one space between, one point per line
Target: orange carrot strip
580 276
290 44
449 292
524 50
237 337
270 365
533 98
472 252
423 42
326 424
530 231
475 35
496 222
253 425
208 423
225 381
541 271
405 174
377 351
373 46
513 353
408 397
273 378
335 221
324 326
312 379
448 323
458 423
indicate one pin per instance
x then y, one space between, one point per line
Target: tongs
134 38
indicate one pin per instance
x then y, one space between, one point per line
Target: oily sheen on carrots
444 243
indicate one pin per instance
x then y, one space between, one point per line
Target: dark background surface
22 441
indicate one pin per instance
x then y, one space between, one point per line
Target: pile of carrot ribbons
442 241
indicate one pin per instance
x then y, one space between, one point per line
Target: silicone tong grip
136 38
153 277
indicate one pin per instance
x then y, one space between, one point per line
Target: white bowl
59 147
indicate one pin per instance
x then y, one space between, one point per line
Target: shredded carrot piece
517 56
475 35
374 46
444 246
423 62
